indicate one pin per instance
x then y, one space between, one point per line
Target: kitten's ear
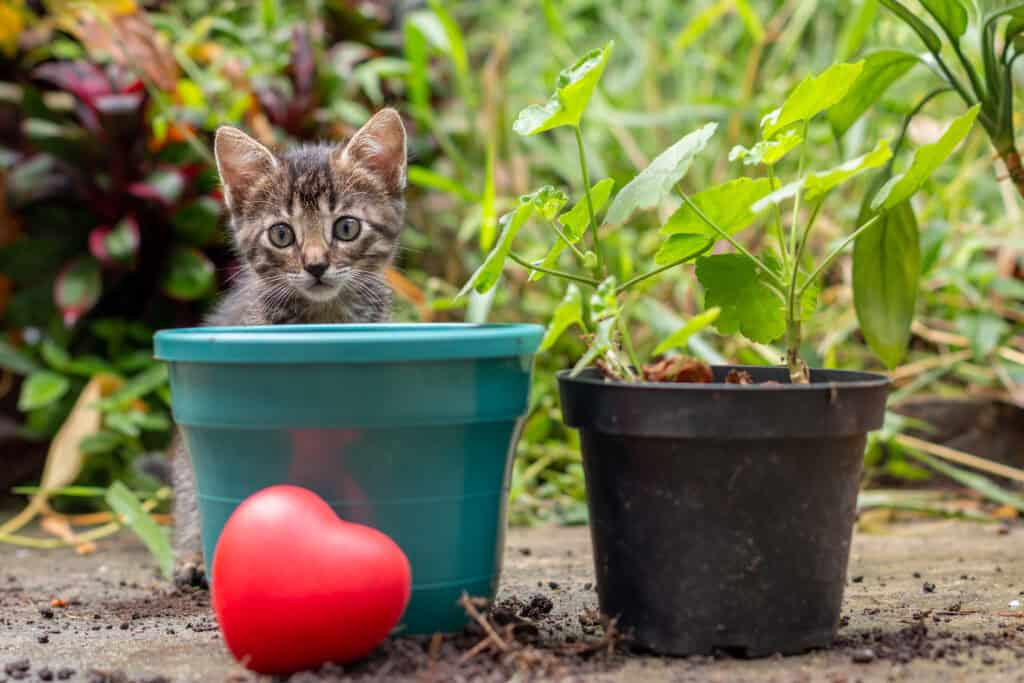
379 147
240 161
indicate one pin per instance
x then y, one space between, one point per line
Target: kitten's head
319 218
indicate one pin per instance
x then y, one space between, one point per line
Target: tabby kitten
314 229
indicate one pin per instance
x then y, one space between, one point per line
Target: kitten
314 229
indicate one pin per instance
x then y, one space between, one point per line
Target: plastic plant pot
721 514
409 429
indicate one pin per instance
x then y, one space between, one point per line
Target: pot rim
865 380
343 344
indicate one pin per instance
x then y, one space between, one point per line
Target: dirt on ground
930 601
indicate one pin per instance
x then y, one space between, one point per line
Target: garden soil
926 601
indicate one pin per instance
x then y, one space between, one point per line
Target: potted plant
721 499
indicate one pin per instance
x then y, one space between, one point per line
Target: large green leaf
653 183
189 276
767 152
126 504
574 223
881 70
926 160
678 339
812 96
573 89
41 389
886 271
951 15
729 206
820 183
486 276
682 247
569 312
733 283
929 37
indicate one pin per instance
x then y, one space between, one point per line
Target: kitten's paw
191 574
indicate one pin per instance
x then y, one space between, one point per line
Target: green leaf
548 201
422 176
684 246
605 312
574 224
42 388
486 276
739 288
103 441
700 24
886 272
16 361
855 28
812 96
924 32
729 206
137 387
678 339
573 89
568 313
54 356
881 70
971 480
821 183
456 51
951 15
652 184
126 504
926 160
767 152
197 222
189 276
984 330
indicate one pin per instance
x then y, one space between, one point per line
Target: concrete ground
958 627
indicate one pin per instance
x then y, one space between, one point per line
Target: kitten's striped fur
308 189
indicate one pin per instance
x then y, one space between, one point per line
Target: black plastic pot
721 514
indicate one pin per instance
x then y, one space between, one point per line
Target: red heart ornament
295 586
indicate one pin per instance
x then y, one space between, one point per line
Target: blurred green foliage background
111 223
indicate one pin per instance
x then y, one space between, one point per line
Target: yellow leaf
12 22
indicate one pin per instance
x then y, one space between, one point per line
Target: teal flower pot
409 429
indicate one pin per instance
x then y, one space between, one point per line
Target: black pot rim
837 403
848 379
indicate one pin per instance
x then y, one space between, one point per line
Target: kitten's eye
347 228
281 235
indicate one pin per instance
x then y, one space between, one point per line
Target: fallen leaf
678 369
1005 512
738 377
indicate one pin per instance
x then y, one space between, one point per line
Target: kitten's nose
316 269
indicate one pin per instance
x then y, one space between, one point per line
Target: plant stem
599 271
557 273
835 252
728 238
798 373
778 221
627 342
565 238
796 202
660 269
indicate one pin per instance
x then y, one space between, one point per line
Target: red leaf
83 80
